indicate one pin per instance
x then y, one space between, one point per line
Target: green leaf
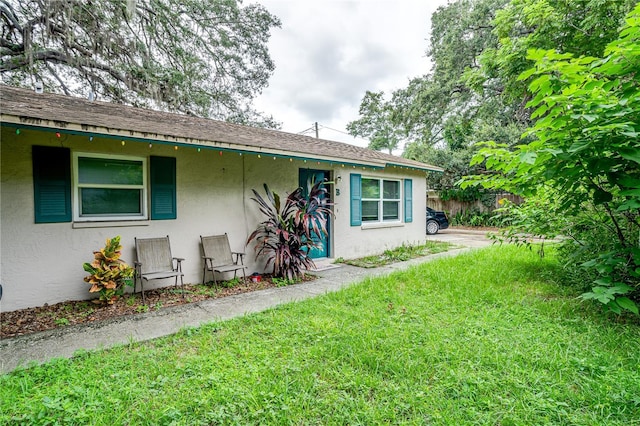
600 196
630 154
629 205
627 304
631 192
579 145
528 157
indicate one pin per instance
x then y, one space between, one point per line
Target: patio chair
154 262
218 257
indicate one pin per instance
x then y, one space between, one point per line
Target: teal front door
308 175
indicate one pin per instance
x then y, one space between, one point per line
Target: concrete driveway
462 237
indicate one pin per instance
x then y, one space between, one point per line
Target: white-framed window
109 187
381 200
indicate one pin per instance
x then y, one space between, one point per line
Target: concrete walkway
64 342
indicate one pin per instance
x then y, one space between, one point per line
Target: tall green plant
585 153
289 231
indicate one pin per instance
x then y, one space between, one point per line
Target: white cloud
328 53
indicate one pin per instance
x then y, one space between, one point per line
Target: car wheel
432 227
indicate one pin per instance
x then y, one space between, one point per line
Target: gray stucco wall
42 263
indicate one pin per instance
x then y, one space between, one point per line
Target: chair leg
181 285
142 291
204 274
214 277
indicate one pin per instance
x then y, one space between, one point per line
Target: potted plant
289 231
108 274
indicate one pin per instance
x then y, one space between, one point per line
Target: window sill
379 225
110 224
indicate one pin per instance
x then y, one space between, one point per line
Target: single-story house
75 172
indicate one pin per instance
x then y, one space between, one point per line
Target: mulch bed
31 320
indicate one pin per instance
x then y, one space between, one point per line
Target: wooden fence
452 207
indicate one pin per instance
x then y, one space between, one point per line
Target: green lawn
483 338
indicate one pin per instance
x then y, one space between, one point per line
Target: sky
328 53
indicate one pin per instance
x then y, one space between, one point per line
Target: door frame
305 173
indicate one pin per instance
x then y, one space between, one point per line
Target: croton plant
108 273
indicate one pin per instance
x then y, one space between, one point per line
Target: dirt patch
31 320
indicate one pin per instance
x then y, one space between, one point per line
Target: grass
399 254
482 338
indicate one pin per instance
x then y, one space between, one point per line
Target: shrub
288 233
108 273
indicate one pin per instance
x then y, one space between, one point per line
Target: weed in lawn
142 308
283 282
61 322
399 254
230 283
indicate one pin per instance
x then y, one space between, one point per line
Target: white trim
110 224
381 201
378 225
76 186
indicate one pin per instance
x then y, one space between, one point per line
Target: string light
58 134
17 131
198 149
175 147
220 153
274 158
150 145
123 143
90 138
259 156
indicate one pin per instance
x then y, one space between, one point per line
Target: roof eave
134 136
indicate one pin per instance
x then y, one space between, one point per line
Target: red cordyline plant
287 235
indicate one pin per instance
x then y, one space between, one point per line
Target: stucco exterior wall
42 263
351 242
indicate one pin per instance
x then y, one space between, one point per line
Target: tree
205 57
439 113
376 123
585 156
583 27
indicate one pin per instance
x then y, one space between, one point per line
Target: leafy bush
108 273
287 235
581 170
474 217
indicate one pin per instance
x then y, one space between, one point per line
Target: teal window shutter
52 184
356 199
408 200
163 188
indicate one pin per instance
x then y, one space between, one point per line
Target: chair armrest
179 263
239 256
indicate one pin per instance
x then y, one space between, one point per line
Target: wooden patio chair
218 257
154 262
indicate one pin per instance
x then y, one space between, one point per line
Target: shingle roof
78 115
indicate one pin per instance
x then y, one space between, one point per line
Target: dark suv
436 221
